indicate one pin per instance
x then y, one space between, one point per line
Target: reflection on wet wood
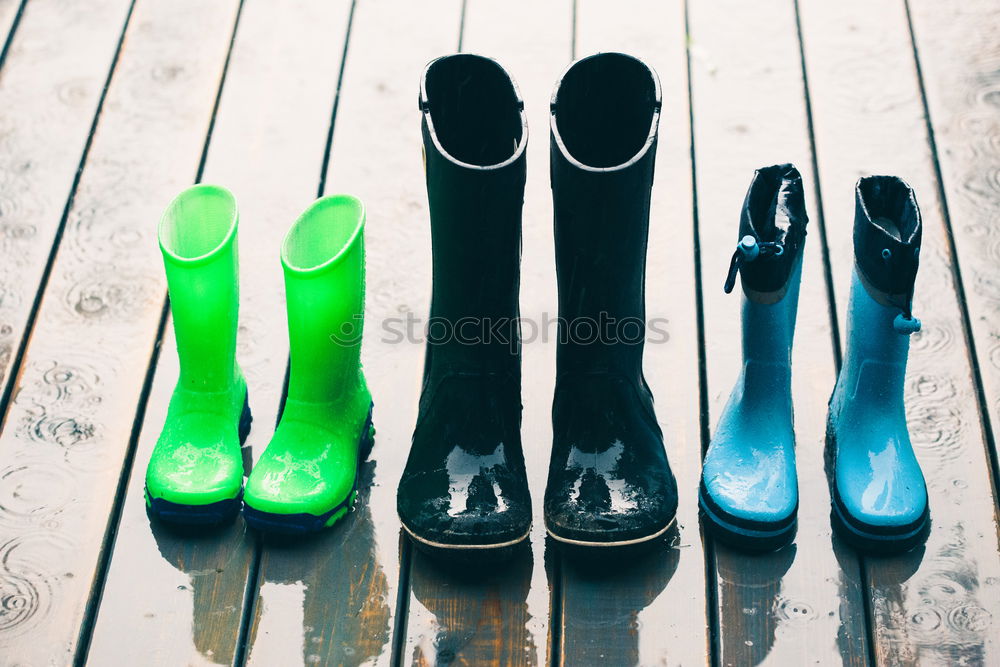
341 590
324 600
959 52
938 604
749 111
479 612
49 94
654 611
267 146
68 427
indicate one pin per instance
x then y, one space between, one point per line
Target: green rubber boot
195 473
307 478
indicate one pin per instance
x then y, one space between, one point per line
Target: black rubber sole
219 512
470 553
585 542
872 540
759 538
303 523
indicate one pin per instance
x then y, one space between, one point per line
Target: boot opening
198 222
474 108
764 198
323 232
889 203
604 109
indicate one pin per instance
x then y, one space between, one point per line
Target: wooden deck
109 107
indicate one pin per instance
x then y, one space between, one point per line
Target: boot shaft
474 135
887 236
872 340
769 259
198 240
769 327
323 260
603 121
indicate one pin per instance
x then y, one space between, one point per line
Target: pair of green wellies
307 477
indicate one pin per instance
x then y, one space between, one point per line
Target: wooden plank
338 593
934 606
803 603
68 426
501 616
50 90
268 146
958 52
654 610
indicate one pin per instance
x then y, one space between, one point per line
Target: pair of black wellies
465 485
609 483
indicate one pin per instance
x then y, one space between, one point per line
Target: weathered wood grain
267 146
937 605
803 603
653 611
68 426
959 55
338 593
50 89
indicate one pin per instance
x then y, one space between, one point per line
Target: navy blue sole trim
222 511
877 539
761 537
303 523
748 525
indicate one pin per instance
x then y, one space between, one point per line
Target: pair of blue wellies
749 494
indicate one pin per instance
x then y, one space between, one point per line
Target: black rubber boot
464 486
609 482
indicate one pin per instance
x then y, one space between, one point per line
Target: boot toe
594 510
900 513
756 506
478 518
576 523
292 491
879 498
196 475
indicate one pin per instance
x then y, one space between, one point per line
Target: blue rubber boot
749 494
877 490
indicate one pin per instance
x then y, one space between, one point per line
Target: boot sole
304 523
435 547
741 537
872 540
222 511
611 545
